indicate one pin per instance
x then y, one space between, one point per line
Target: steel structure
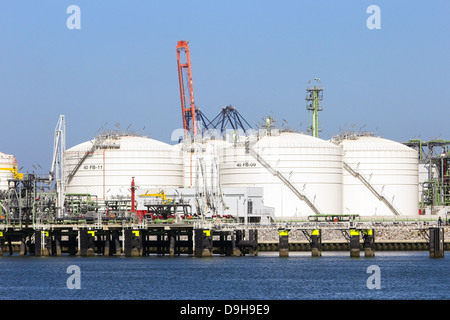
57 169
313 97
230 116
186 88
434 156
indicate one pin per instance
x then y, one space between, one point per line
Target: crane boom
57 169
187 106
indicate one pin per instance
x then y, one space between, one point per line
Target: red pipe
132 195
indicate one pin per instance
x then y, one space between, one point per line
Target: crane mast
57 169
186 89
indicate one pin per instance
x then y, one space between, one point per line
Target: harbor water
398 275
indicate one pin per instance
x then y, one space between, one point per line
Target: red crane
187 105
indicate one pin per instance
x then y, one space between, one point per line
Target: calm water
403 275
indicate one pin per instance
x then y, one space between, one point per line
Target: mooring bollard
283 242
316 243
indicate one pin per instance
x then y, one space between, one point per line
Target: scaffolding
433 155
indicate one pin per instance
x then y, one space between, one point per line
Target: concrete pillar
42 243
316 243
37 243
235 237
172 242
283 242
86 243
23 244
238 237
73 244
133 243
354 243
252 242
190 242
10 246
115 240
436 242
203 243
369 243
56 243
107 247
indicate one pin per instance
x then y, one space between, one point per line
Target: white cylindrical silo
311 165
381 178
8 165
104 167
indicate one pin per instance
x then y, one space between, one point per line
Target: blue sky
120 67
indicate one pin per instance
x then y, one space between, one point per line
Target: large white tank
8 164
111 160
389 167
313 166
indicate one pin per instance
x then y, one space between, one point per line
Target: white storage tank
388 167
311 165
105 166
8 164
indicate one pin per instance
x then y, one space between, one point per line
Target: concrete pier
316 243
86 243
247 243
354 243
43 243
224 242
84 239
203 243
56 243
436 242
172 242
283 246
369 243
133 242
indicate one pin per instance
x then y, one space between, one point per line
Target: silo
105 166
301 175
8 165
380 176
